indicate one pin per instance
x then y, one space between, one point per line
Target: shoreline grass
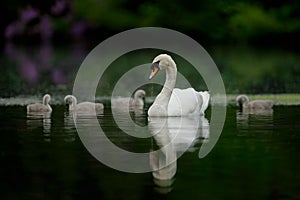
279 99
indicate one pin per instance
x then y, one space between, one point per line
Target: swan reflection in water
82 117
173 136
37 120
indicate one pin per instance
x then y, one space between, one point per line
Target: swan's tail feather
205 97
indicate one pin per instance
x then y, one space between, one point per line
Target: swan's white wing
38 107
184 102
89 107
120 102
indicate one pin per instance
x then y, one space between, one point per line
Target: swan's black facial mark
68 101
155 68
155 64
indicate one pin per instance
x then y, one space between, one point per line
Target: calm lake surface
256 157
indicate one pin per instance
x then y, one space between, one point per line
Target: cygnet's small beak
155 69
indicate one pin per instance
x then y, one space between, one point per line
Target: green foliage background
210 21
254 43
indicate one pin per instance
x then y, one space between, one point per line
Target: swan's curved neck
46 100
164 96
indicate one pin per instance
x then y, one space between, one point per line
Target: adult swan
173 101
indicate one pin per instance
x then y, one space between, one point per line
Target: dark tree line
211 21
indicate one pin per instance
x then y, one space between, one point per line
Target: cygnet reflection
129 108
130 120
260 120
42 120
69 126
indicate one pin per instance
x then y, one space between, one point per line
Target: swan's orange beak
155 69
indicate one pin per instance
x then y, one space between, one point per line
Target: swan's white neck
162 100
46 100
165 94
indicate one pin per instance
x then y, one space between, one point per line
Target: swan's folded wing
89 107
183 102
205 101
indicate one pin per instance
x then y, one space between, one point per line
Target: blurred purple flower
45 27
79 28
45 55
9 50
13 29
28 14
59 7
29 71
79 51
58 77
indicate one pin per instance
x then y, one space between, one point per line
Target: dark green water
256 157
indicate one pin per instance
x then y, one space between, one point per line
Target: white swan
244 103
85 107
38 107
175 102
136 102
